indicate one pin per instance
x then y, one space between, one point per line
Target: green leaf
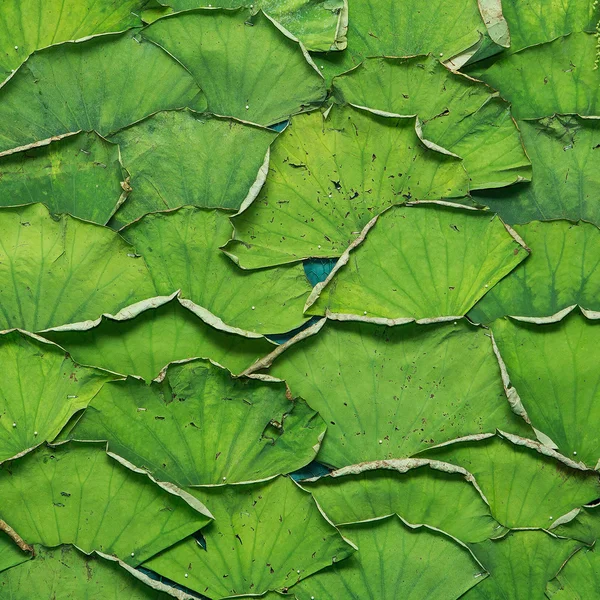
79 175
392 392
420 491
10 554
456 113
579 578
329 176
201 426
419 262
28 25
62 270
537 21
565 153
581 524
553 369
166 332
319 24
395 560
561 271
247 69
102 84
223 164
526 484
520 565
265 536
182 251
84 497
556 77
64 574
42 388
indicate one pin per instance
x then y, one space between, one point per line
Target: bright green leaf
79 175
76 494
579 579
247 69
144 345
182 158
329 176
102 84
182 251
201 426
265 536
10 554
582 524
456 113
63 270
396 561
419 262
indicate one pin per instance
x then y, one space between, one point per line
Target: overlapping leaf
10 554
455 113
182 158
76 494
182 251
248 69
61 270
408 390
579 577
419 262
162 334
329 176
265 537
79 175
201 426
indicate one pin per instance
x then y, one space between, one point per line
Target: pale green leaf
79 175
565 154
420 491
396 561
265 536
181 158
102 84
392 392
201 426
55 271
76 494
329 176
182 251
42 388
561 271
420 262
456 113
144 345
248 69
526 484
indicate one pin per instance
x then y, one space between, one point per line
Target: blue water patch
318 269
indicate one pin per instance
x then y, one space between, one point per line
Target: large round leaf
420 491
247 69
182 251
159 335
265 537
526 484
456 113
28 25
554 370
564 152
201 426
561 271
391 392
42 388
58 271
65 574
556 77
419 262
520 565
102 84
329 176
80 175
396 561
179 158
76 494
